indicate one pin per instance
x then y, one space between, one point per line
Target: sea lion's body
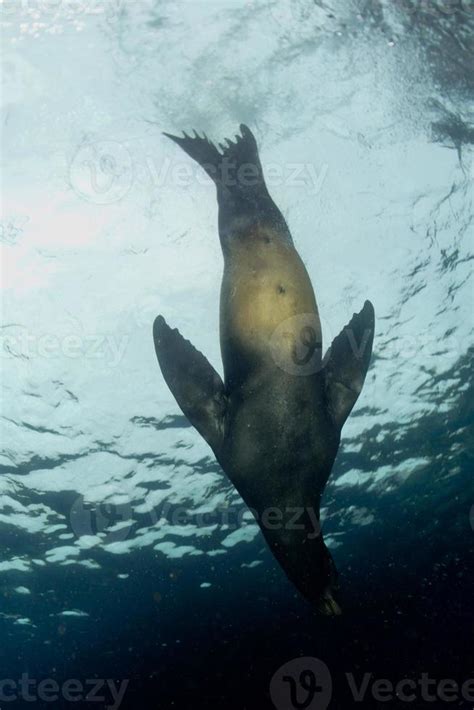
280 444
274 427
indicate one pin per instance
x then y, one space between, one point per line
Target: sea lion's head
320 584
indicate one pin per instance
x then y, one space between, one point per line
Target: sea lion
274 424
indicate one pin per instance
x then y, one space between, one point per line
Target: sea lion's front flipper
347 362
195 384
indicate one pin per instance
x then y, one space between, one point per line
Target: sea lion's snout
327 605
319 582
322 593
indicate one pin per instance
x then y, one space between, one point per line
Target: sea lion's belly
265 285
279 445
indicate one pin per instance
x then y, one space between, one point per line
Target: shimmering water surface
126 553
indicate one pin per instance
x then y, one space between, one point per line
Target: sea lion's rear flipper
243 198
227 167
347 362
195 384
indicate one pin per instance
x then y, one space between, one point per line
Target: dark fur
275 434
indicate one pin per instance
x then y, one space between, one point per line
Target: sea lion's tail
236 167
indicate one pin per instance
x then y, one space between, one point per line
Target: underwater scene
237 313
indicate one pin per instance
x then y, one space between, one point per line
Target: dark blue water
127 556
